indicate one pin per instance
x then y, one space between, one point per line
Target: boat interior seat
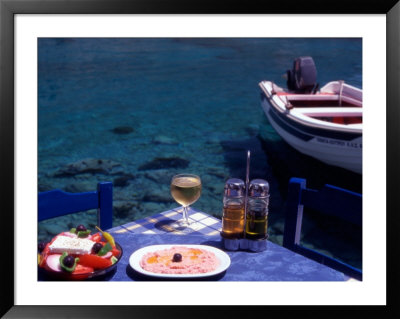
321 100
329 202
313 97
57 203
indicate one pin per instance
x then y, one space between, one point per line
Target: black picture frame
9 8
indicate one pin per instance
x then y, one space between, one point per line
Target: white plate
136 257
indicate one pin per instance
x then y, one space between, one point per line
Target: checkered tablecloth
274 264
200 223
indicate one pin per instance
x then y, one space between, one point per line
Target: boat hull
338 148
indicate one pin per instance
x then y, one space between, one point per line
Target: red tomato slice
96 237
80 269
43 255
94 261
115 252
46 248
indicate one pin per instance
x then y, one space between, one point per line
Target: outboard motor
303 77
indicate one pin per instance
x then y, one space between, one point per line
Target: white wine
186 189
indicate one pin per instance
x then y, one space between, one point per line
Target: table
275 264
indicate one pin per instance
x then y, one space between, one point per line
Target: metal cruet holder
257 190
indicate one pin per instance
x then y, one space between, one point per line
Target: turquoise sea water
151 108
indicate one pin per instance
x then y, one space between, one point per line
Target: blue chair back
57 203
330 200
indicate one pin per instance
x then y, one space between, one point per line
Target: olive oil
257 210
256 225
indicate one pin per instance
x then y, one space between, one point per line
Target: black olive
96 247
80 228
69 261
177 258
41 246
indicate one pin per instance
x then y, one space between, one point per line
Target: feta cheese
77 246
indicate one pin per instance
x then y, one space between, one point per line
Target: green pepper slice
83 233
69 269
105 249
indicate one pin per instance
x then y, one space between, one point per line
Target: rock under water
122 130
123 180
88 165
161 139
162 162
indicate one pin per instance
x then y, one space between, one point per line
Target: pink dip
194 261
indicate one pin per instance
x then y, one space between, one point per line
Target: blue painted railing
330 200
57 203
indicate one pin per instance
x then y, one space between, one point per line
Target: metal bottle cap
234 187
259 188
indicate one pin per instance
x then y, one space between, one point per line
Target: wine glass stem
186 215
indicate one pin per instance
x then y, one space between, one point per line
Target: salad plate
47 271
69 257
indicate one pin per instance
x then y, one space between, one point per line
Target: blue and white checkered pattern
201 223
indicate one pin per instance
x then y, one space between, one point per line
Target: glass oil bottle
233 218
257 215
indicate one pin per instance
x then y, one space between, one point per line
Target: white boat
323 123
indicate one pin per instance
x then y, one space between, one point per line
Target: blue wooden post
294 213
105 211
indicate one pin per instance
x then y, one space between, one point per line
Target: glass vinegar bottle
233 210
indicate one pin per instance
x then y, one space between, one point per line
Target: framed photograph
31 29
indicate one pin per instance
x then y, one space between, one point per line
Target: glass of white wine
185 189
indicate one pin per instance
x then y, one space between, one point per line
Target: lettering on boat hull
338 142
